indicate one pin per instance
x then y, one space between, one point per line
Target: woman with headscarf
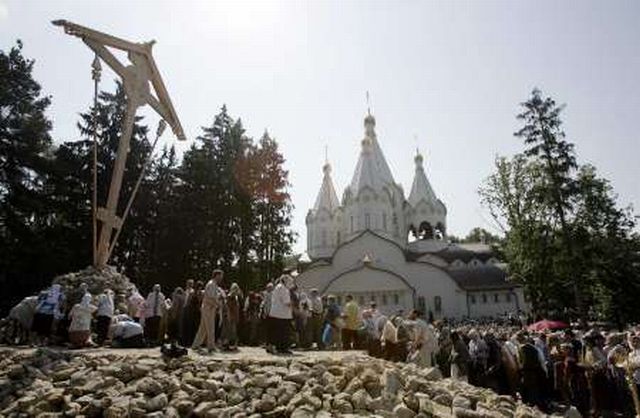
495 376
533 378
80 328
621 397
442 357
104 315
175 313
191 315
153 315
403 334
252 316
459 358
388 338
424 344
479 353
48 307
280 316
596 362
231 318
135 305
22 316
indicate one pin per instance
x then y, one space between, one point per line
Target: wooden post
145 166
95 75
108 216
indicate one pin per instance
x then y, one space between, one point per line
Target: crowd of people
586 369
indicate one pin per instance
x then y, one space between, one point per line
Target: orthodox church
381 247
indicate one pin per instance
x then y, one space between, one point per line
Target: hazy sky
450 74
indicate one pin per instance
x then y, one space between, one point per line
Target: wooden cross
138 78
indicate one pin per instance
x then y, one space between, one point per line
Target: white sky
451 73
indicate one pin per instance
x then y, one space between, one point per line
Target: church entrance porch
390 291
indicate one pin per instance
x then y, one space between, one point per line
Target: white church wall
427 212
323 234
377 248
388 291
429 282
492 302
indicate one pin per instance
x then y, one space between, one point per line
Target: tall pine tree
25 145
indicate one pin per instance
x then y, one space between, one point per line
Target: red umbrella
547 324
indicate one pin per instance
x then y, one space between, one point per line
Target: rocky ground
139 383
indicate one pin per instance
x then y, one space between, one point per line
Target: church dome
369 120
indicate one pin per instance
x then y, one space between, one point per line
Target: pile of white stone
96 279
115 384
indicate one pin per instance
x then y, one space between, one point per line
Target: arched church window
367 221
384 222
437 304
472 298
396 299
422 305
324 237
384 300
373 298
425 231
496 297
484 298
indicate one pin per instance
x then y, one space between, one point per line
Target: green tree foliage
235 192
272 207
566 240
25 143
512 196
226 204
69 186
608 247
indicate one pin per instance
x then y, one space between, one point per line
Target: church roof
372 169
465 252
327 197
481 277
421 188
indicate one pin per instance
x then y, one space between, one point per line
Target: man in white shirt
280 315
210 304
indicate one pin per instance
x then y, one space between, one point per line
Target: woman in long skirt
191 316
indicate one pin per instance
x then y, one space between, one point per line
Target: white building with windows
361 245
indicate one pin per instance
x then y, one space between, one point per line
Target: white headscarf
234 289
105 303
86 300
53 297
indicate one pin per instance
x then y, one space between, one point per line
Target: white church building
360 246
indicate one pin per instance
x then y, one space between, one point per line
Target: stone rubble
48 383
96 280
